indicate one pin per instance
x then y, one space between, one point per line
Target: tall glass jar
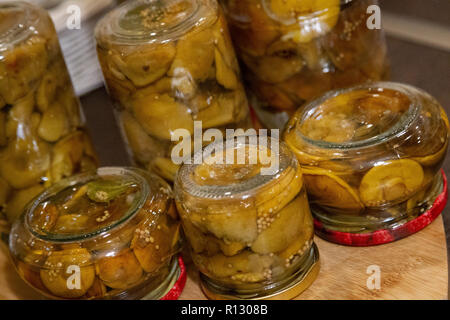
295 50
42 134
115 232
167 64
371 157
250 231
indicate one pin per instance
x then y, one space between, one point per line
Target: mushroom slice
199 241
154 242
314 18
253 30
195 54
275 68
272 199
161 115
22 67
329 190
224 73
121 271
24 163
68 153
232 223
144 147
289 224
146 64
434 158
54 123
63 264
220 112
245 266
391 182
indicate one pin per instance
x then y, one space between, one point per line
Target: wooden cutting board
411 268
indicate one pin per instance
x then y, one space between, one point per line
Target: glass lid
87 205
235 169
16 23
153 20
357 117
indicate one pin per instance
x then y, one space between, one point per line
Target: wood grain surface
411 268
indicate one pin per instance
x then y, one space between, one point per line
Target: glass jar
42 133
292 51
110 234
371 155
250 231
167 64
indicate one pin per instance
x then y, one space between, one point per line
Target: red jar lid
387 235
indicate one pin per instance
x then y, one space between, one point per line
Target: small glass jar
42 133
371 156
167 64
110 234
250 232
293 51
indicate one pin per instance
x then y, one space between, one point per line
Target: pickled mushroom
121 271
21 68
219 113
275 68
288 225
154 247
259 29
229 223
146 65
70 223
144 146
245 266
195 54
46 91
224 73
57 271
24 163
54 123
66 155
328 189
390 182
270 201
161 115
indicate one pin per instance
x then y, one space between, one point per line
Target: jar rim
395 131
83 178
238 191
22 25
112 24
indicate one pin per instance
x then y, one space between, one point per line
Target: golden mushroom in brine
42 134
371 156
110 234
246 217
166 65
295 50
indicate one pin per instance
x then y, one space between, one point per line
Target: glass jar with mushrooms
116 229
295 50
371 158
42 133
248 221
168 64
